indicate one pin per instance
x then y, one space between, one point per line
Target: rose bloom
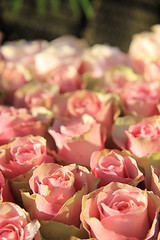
141 98
143 138
104 108
63 51
12 77
57 192
115 166
22 51
77 139
120 211
22 154
100 57
116 79
66 77
15 223
18 122
35 95
59 63
144 48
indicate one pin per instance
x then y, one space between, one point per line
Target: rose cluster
80 139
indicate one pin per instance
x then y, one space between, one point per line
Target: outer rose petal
120 126
154 182
142 147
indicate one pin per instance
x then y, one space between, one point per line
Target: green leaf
41 7
55 6
16 7
87 8
75 7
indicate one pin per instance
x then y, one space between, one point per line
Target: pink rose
115 166
116 79
120 211
15 223
18 122
35 95
77 139
141 98
143 138
144 48
99 57
104 108
63 51
22 154
59 63
12 77
57 192
22 51
66 77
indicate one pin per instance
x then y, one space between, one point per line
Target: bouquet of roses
80 139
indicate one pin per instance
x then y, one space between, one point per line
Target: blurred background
98 21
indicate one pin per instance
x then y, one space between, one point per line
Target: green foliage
77 6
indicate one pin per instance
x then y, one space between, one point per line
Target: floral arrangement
80 139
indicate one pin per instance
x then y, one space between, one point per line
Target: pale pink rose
120 212
57 192
18 122
65 50
59 63
115 166
104 108
77 139
66 77
22 51
143 138
116 79
35 95
141 98
12 77
144 48
15 223
100 57
22 154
